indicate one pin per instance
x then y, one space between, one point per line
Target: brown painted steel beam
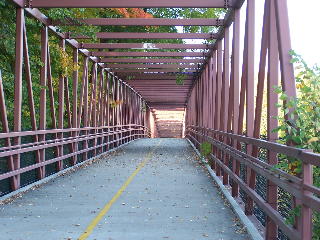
140 22
162 86
150 76
152 71
15 183
178 89
141 60
141 35
145 46
189 66
131 4
149 54
170 88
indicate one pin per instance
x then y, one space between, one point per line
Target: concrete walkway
150 189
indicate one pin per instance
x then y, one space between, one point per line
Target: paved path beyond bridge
150 189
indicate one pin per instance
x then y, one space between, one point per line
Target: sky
304 17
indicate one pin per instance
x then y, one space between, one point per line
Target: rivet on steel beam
226 4
28 3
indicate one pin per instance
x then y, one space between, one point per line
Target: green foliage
295 212
302 128
205 149
180 78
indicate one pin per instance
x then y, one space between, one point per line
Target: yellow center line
107 207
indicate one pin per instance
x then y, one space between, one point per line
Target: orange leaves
132 13
122 11
139 13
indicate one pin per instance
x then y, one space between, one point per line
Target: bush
304 130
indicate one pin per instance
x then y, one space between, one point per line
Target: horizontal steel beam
140 22
149 54
187 84
145 46
152 71
148 66
130 4
164 97
142 60
143 35
171 86
155 81
151 76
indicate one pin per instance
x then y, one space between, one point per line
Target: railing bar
301 154
37 165
46 141
266 165
277 218
310 201
48 131
29 149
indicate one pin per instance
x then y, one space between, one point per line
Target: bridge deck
120 198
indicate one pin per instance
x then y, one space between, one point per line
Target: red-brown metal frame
105 111
235 117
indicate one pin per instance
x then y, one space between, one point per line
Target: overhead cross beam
189 66
145 46
139 22
153 76
137 35
149 54
142 60
153 71
130 4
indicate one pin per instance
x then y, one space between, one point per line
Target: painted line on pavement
107 207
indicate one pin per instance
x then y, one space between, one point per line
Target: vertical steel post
94 104
108 107
29 87
284 43
51 98
5 129
218 98
272 111
18 90
225 97
61 108
75 101
43 95
306 212
251 176
86 108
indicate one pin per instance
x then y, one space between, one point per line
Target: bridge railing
226 158
55 120
62 152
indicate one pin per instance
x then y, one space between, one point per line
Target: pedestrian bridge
148 189
100 134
